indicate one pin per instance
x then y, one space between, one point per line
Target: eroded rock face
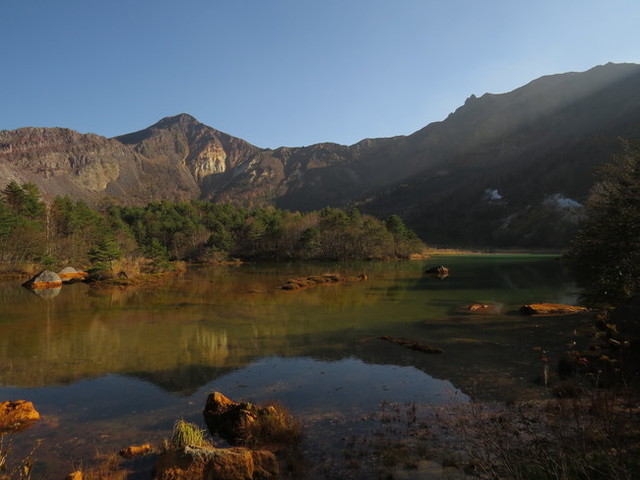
195 150
210 161
87 160
16 416
89 167
195 463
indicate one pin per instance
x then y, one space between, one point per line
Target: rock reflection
46 293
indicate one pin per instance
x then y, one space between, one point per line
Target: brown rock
550 309
229 419
441 271
195 463
248 424
17 416
136 451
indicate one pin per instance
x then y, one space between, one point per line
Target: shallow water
110 368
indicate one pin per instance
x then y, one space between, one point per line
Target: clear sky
290 72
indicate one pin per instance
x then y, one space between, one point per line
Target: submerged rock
441 271
550 309
313 280
196 463
480 309
44 279
17 416
411 344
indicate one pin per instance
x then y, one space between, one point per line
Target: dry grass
131 266
107 467
10 468
22 269
273 425
579 438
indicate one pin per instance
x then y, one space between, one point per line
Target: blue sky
290 72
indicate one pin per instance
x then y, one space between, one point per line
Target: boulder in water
44 279
441 271
17 416
70 274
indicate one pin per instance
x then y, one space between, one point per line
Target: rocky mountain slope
508 169
511 169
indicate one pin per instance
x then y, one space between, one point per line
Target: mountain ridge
530 145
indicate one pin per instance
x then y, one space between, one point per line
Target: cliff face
508 169
63 158
86 166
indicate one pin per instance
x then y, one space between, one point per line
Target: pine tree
103 253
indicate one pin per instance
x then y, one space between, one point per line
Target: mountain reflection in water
124 364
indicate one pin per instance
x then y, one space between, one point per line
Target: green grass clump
187 434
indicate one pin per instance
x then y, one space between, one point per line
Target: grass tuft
187 434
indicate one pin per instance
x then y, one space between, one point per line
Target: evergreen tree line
71 232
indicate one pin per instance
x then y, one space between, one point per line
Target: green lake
108 368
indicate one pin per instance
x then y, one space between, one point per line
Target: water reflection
46 293
191 330
342 387
125 363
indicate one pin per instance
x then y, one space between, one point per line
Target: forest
70 232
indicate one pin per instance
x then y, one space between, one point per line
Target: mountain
510 169
505 170
87 166
225 168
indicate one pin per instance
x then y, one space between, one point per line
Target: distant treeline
69 231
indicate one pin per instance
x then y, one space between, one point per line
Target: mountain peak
182 119
182 123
